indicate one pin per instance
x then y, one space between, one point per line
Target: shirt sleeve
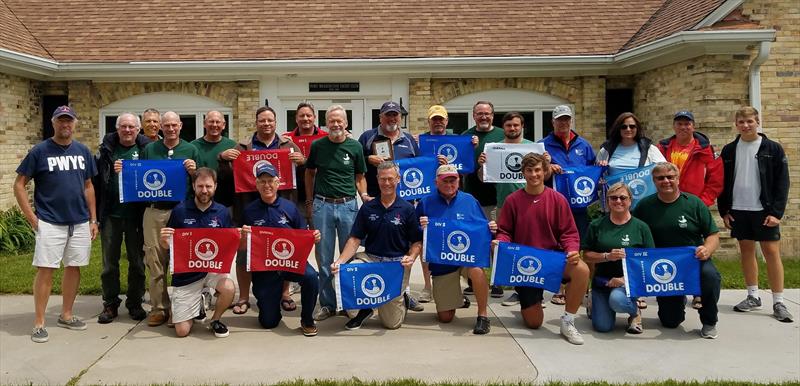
589 243
707 224
91 166
647 236
360 163
28 165
173 221
569 238
311 161
298 220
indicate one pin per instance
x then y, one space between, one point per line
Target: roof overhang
672 49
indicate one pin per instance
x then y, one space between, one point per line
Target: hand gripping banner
640 181
417 177
203 250
456 242
504 160
521 265
661 271
368 285
151 180
457 149
278 249
578 184
304 142
244 168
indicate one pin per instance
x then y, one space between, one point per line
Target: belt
163 205
340 200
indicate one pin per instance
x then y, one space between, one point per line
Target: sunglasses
618 198
632 127
671 177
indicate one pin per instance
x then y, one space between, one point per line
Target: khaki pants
156 258
393 313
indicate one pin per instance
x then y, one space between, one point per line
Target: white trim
755 77
718 14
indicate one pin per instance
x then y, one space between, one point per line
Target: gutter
755 77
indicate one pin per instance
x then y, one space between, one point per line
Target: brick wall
20 128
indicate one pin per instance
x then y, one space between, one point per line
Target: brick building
652 57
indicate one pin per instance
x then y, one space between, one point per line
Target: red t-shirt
542 221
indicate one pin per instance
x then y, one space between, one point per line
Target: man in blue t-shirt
278 212
392 233
187 294
65 221
452 204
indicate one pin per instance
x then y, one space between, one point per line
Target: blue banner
578 184
368 285
457 149
149 180
640 181
521 265
417 177
457 242
661 271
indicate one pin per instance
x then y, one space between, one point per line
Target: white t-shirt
747 185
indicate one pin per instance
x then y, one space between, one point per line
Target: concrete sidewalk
750 347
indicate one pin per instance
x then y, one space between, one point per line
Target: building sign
334 86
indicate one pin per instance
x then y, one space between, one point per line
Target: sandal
641 303
241 307
635 324
559 299
288 305
697 303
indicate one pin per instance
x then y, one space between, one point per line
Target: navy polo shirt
388 232
280 214
462 207
187 215
403 147
258 145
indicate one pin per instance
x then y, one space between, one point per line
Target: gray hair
136 117
384 165
333 108
665 167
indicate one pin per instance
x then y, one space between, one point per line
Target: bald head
171 127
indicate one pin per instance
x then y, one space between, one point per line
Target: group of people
76 198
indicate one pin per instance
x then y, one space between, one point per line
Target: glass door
353 107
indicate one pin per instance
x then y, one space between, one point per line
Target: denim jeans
334 222
268 290
606 303
671 309
111 236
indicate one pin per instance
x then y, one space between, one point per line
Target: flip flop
241 307
559 299
288 305
641 303
697 303
635 324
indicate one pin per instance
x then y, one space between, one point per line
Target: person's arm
505 221
309 179
361 187
710 245
88 192
780 166
166 235
350 248
296 154
714 180
21 194
413 252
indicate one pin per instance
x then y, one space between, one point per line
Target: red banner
244 169
304 142
203 249
279 249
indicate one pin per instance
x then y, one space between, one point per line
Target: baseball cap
266 168
437 111
561 111
446 170
64 110
684 114
390 106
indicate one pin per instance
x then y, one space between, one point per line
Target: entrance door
353 107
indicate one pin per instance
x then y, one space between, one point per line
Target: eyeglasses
670 177
483 114
632 127
618 198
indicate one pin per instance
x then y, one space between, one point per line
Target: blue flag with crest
521 265
417 177
661 271
368 285
578 184
457 242
152 180
640 181
456 148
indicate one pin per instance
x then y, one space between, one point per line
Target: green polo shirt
336 165
184 150
603 236
209 151
684 222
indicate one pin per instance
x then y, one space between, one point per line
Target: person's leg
225 289
243 279
481 287
309 290
325 223
749 262
447 295
393 313
42 285
110 245
710 283
69 290
152 222
772 255
603 316
530 303
136 276
267 288
426 276
182 329
620 302
671 311
578 275
76 255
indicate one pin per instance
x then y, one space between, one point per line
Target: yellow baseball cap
437 111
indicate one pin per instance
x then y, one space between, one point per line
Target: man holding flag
187 298
391 229
450 203
538 216
678 219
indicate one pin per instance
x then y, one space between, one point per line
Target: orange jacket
702 173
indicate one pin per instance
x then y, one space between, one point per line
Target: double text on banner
521 265
417 177
151 180
457 242
578 184
661 271
278 249
245 166
304 142
504 160
457 149
640 181
368 285
203 249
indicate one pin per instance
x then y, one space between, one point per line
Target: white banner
504 160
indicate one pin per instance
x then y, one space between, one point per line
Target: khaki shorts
447 290
393 313
55 244
187 299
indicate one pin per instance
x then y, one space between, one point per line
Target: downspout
755 77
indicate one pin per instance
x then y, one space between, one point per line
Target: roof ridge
28 30
644 25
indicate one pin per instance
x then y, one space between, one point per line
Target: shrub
16 234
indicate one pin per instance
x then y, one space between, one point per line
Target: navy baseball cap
684 114
390 107
266 168
64 110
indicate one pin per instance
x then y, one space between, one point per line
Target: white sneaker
571 333
425 296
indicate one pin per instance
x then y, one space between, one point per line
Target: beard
391 128
337 133
513 135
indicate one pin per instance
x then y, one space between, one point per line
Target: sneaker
587 304
39 335
497 291
571 333
780 312
355 323
751 303
414 305
156 319
201 316
708 332
425 296
220 329
137 313
72 324
108 315
466 303
469 290
512 300
482 326
323 313
310 330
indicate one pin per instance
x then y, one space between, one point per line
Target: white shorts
187 299
68 243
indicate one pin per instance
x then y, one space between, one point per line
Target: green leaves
16 234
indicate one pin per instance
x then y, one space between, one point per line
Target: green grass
416 382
